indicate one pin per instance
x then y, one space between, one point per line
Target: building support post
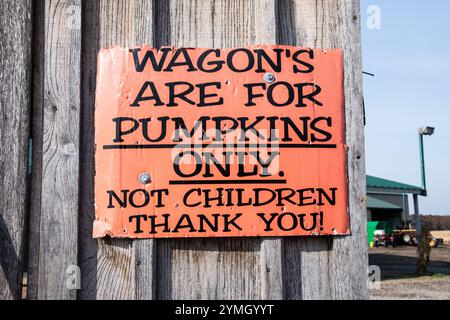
422 163
417 215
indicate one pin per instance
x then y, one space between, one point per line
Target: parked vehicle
408 237
381 233
383 240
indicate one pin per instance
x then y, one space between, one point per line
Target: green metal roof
392 186
374 203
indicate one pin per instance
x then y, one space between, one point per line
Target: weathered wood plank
15 102
58 227
272 275
332 268
111 269
297 25
217 268
314 268
349 259
295 268
37 138
272 249
88 246
208 268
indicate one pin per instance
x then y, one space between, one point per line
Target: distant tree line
433 222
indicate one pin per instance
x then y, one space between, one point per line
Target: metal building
387 200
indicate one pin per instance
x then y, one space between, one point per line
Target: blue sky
410 57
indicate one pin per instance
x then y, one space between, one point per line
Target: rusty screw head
145 178
269 77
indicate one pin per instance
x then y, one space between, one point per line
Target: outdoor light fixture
426 131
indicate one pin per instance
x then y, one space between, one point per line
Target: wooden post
417 215
55 209
215 268
219 268
15 102
111 269
302 268
332 268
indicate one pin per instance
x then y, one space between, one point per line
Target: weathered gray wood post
62 209
255 268
54 209
334 268
15 98
111 269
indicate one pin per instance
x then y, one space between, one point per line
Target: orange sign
218 143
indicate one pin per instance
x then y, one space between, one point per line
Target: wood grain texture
208 268
37 138
332 268
298 26
88 246
15 102
272 249
247 268
58 214
232 268
111 268
272 269
349 257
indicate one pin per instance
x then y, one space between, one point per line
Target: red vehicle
385 240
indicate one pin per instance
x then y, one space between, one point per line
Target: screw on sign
269 77
224 143
145 178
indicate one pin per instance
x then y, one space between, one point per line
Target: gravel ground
398 279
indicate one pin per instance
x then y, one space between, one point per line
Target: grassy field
442 234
